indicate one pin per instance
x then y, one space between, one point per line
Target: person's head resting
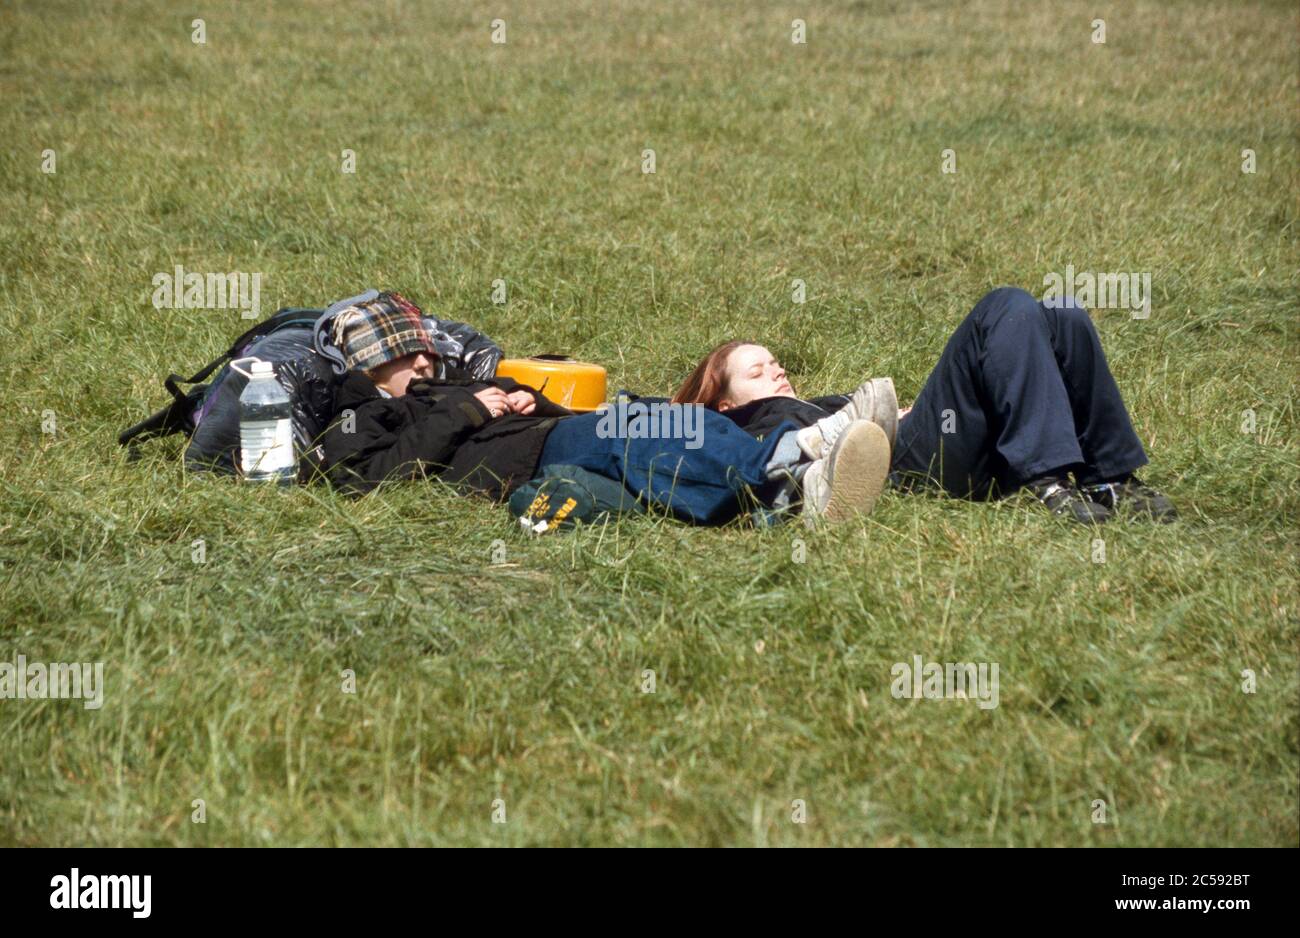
732 375
386 339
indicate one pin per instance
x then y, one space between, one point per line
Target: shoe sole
857 468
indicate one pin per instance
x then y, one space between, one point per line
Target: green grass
522 681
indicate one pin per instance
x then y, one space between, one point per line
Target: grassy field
523 680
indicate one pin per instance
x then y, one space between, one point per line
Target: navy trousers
1022 388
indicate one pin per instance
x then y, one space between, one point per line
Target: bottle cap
260 368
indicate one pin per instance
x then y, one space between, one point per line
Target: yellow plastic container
573 384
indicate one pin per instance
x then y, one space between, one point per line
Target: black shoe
1062 498
1133 495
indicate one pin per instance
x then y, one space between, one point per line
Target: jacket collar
354 388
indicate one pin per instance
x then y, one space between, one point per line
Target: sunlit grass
523 681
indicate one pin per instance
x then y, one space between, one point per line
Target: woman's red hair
707 384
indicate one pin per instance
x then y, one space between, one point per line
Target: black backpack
179 415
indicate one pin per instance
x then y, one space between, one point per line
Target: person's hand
903 412
521 402
495 400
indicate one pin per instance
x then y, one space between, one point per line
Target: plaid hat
381 330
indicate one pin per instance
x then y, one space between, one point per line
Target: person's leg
703 485
995 412
1106 437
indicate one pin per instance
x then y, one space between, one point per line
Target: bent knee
1067 312
1010 304
1066 305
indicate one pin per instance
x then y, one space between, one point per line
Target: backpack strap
289 316
174 418
172 381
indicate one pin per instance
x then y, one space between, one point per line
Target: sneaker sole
857 468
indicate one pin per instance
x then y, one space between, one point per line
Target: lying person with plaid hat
392 420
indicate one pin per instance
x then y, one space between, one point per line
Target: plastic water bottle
265 427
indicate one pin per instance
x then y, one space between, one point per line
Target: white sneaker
850 478
816 441
877 401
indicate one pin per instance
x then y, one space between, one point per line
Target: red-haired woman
1022 397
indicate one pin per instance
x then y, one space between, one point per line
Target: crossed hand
498 402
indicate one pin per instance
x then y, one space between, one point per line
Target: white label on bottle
265 445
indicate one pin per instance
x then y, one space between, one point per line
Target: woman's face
394 376
753 373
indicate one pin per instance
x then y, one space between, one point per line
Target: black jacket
437 428
761 417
